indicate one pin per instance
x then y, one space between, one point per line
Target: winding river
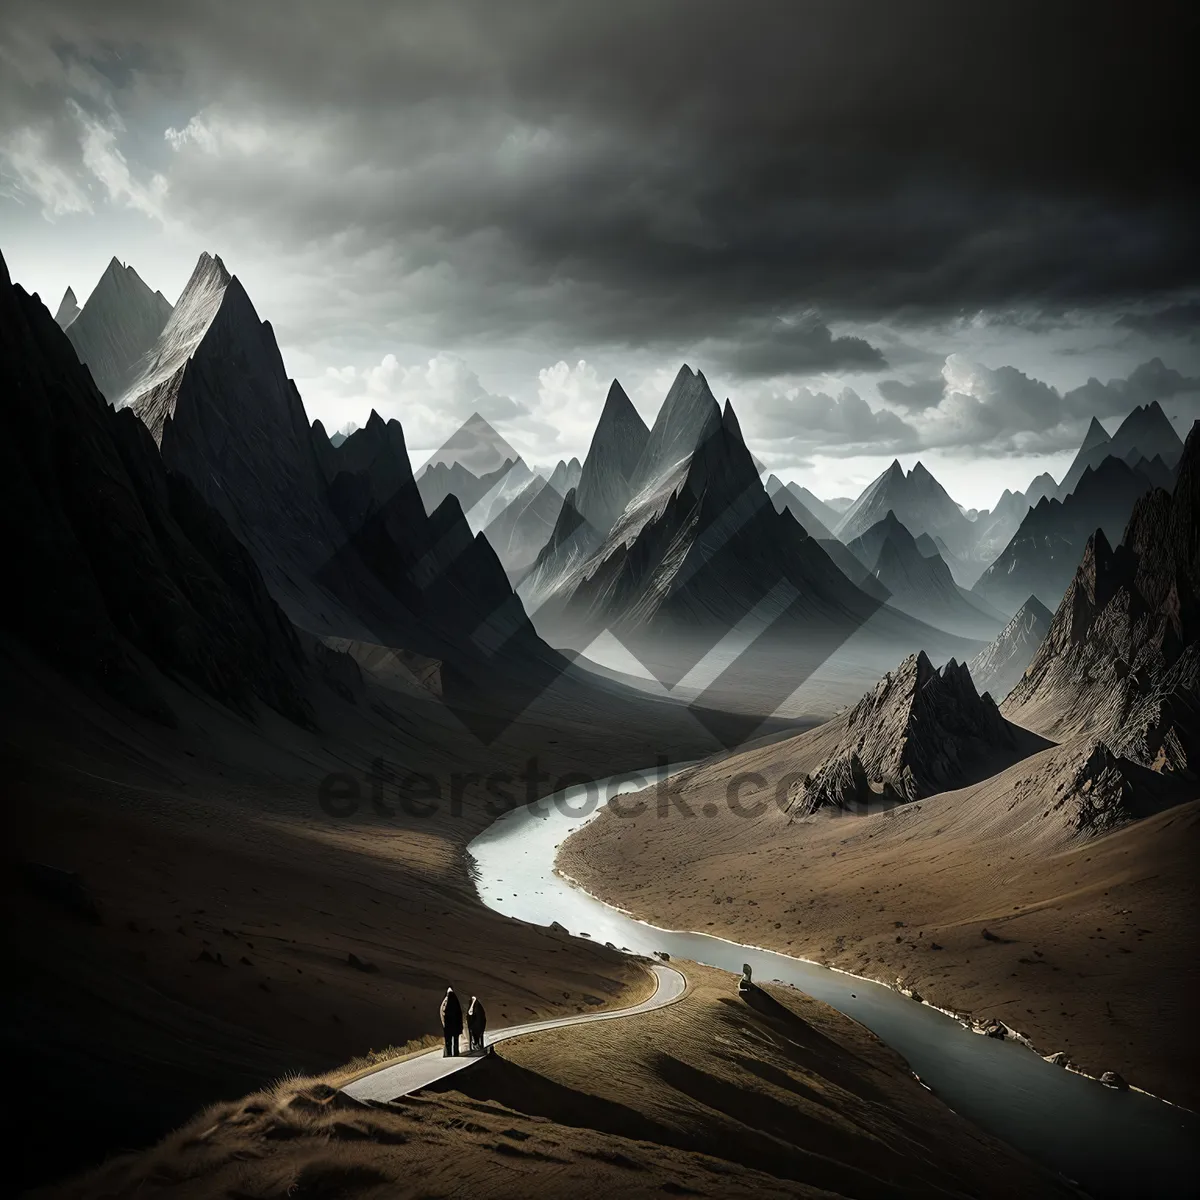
1113 1144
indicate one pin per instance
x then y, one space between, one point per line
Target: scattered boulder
1058 1059
361 964
1111 1079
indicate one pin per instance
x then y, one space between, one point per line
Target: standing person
476 1023
452 1022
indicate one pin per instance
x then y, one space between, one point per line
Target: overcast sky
884 230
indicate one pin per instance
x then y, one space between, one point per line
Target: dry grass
711 1096
364 1064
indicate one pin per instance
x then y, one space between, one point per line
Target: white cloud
103 158
431 400
804 419
32 156
33 172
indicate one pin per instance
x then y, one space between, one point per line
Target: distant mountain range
1043 553
666 528
997 668
791 497
1144 433
921 584
918 500
702 556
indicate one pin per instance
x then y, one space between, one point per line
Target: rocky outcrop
839 782
997 668
117 327
919 731
1122 658
1100 794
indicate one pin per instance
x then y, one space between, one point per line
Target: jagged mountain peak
688 415
1096 435
211 298
730 422
68 309
1148 431
132 578
116 328
920 502
617 401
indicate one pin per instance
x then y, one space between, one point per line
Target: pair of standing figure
452 1023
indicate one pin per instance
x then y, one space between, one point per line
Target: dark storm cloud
803 346
925 393
1180 320
672 173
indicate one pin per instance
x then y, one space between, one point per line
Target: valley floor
1085 945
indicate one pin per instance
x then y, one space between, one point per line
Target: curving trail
390 1083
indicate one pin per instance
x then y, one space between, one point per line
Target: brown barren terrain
1090 941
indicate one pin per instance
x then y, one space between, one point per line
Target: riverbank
1085 947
